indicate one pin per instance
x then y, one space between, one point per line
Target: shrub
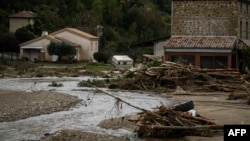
55 84
154 64
101 57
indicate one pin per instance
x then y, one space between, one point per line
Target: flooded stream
94 108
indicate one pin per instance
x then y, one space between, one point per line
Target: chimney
44 33
99 29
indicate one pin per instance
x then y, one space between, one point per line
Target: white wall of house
87 47
43 43
158 48
16 23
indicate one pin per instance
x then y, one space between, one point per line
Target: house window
124 63
240 29
213 62
220 61
246 30
247 7
184 59
241 6
206 62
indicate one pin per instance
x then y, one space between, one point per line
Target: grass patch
55 84
85 65
99 67
97 83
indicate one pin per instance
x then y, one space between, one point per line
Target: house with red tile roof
86 45
21 19
208 34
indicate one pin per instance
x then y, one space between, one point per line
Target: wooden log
184 127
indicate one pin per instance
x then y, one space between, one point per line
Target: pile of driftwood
175 121
170 75
167 122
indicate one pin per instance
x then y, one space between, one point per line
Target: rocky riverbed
16 105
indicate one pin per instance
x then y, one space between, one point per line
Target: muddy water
94 108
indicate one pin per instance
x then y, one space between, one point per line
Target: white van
122 62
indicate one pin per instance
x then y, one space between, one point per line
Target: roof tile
24 14
201 42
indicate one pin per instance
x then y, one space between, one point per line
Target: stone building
204 17
206 33
244 19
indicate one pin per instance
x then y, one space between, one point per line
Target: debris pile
191 78
167 122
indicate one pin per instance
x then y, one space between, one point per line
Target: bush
55 84
154 64
246 56
97 83
101 57
61 49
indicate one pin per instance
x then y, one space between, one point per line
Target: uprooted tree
168 121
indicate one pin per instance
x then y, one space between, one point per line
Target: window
246 30
185 59
220 61
124 63
241 6
240 29
206 62
91 46
213 62
247 7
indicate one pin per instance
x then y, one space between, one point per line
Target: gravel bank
16 105
76 135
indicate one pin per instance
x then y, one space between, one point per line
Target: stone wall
244 20
205 17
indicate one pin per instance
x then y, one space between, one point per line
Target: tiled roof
76 31
24 14
201 42
52 38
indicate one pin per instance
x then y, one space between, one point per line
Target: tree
246 56
97 11
112 13
8 43
23 34
101 57
61 49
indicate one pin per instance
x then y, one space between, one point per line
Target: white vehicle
122 62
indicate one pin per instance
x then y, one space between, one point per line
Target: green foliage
24 34
154 64
91 83
129 75
98 83
4 22
55 84
101 57
8 42
97 11
98 67
124 23
246 56
61 49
